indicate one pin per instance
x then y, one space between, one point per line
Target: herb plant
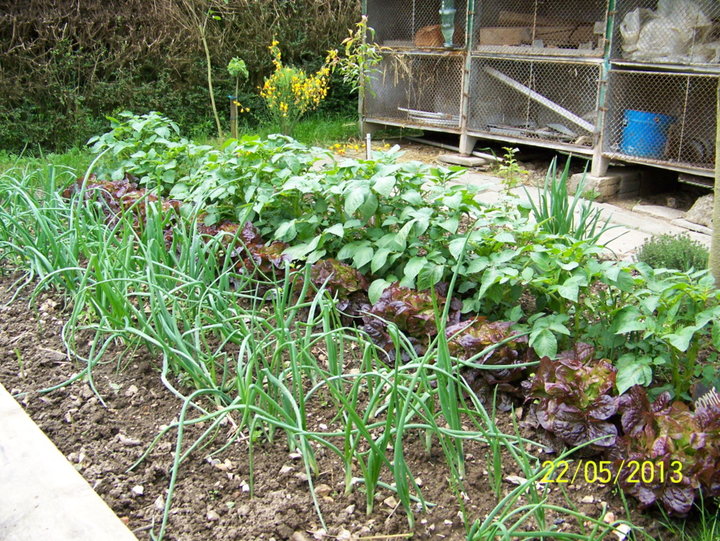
673 252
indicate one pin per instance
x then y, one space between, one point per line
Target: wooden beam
542 100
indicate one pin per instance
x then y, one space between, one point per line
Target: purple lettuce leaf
469 338
339 278
575 401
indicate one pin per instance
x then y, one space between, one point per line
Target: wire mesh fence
668 31
541 27
534 74
422 90
414 23
536 100
662 117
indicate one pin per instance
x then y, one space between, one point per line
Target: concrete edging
42 497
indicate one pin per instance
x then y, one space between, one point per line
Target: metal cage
540 27
419 90
548 101
557 73
413 23
672 125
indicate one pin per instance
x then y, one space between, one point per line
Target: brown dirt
212 499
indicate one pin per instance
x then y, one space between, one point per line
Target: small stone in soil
323 490
243 510
138 490
390 502
132 390
212 516
515 480
587 499
320 534
129 442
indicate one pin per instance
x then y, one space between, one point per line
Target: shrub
290 92
57 86
673 252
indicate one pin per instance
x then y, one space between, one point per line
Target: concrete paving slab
483 180
692 226
461 159
622 243
657 211
42 497
639 222
705 240
490 197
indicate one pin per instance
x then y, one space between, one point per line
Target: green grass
76 159
317 130
704 527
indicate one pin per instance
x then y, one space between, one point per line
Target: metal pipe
447 21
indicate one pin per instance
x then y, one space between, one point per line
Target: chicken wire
536 100
417 90
662 118
413 23
668 31
541 27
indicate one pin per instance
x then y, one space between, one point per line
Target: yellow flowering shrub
289 92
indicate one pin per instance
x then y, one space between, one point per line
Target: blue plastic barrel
645 134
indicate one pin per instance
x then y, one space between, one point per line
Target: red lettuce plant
575 402
251 253
339 278
412 311
346 283
468 338
668 452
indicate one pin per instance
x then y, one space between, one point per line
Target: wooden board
511 36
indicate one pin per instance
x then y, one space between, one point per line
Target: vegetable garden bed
341 338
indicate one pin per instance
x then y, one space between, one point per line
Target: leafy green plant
358 62
670 317
148 146
237 70
510 170
673 252
556 213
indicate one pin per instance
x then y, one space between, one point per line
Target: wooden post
715 245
